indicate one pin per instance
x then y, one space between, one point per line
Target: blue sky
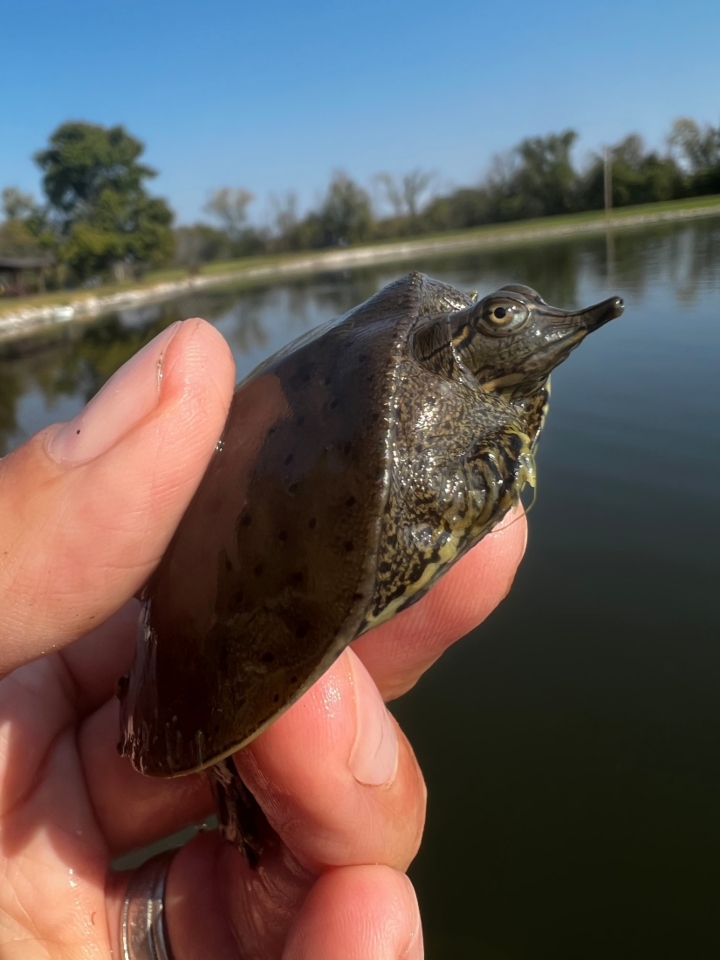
274 95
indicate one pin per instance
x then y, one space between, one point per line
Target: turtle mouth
572 328
601 313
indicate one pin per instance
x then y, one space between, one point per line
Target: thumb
88 507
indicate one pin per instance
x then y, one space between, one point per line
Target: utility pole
609 235
608 180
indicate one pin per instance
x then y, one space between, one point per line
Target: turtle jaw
565 330
592 318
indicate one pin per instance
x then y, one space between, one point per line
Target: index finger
88 507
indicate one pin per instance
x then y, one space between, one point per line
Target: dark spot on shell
223 660
312 523
298 577
349 546
216 728
293 679
375 417
384 567
120 747
301 629
258 569
358 596
276 697
283 535
121 687
267 657
271 431
293 488
289 459
350 502
370 377
245 520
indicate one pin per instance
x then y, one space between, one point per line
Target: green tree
545 178
536 178
17 205
697 149
25 231
404 194
200 243
95 185
229 206
463 208
16 240
284 218
638 176
345 215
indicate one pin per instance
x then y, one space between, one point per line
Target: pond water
571 743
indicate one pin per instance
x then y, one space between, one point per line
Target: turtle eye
505 316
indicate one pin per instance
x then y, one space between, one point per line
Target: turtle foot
241 818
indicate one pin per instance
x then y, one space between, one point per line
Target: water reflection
571 745
73 364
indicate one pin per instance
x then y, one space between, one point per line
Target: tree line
98 219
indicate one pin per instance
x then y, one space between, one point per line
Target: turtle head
511 340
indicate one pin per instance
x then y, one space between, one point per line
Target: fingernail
374 756
128 397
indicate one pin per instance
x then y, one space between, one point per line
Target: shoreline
28 320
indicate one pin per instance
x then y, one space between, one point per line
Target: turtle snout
601 313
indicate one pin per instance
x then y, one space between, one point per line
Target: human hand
86 511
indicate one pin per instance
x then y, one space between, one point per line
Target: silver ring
143 934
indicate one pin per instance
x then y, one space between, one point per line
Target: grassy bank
163 283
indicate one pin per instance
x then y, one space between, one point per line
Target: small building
19 275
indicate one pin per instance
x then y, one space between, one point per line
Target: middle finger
336 777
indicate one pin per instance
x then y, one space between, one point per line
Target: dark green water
571 745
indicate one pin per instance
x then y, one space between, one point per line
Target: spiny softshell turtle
355 467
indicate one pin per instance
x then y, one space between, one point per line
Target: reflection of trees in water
97 353
76 365
11 390
699 267
247 332
679 260
550 268
683 259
